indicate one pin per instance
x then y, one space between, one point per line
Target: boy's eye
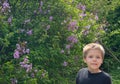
97 57
90 56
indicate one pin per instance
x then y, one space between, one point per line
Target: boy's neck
94 71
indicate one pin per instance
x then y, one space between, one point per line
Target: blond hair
91 46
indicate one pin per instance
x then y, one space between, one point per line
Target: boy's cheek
102 62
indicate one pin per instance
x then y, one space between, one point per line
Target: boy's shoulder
105 74
83 71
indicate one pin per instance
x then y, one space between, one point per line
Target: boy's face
94 60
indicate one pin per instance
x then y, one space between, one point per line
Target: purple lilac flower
10 19
96 17
65 63
29 32
82 15
72 25
2 10
25 60
5 6
51 18
27 51
23 51
16 54
29 68
13 81
85 32
32 75
25 65
22 63
81 7
68 46
41 3
40 9
88 27
62 51
72 39
18 47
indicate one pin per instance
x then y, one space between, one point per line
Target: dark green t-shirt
86 77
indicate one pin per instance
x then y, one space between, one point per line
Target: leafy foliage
41 41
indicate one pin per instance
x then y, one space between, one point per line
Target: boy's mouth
93 63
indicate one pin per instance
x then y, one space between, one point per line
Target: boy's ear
84 60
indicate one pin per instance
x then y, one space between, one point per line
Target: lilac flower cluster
86 30
96 17
40 6
10 19
81 7
25 64
20 50
5 7
72 39
68 46
88 26
62 51
82 15
28 32
41 11
13 81
72 26
51 18
65 63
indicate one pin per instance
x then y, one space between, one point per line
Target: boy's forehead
94 51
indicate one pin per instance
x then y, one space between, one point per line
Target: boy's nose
94 59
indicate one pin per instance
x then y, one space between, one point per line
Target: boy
93 55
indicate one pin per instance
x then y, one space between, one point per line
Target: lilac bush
44 40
